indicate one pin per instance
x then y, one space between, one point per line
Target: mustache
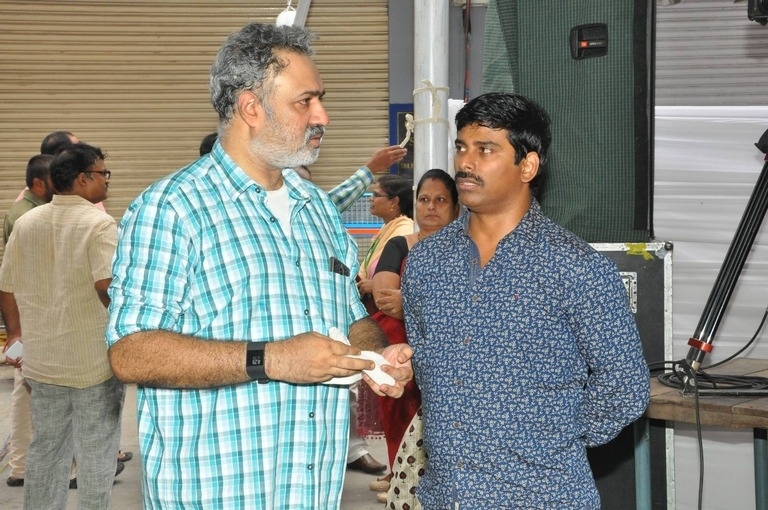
313 132
463 174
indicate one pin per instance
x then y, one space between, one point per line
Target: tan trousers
21 425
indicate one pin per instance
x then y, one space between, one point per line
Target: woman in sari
437 205
392 201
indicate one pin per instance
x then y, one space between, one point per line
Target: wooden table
730 412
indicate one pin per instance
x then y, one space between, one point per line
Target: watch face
254 362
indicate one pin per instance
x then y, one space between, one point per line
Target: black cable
682 372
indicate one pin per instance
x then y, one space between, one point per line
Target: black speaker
757 10
590 65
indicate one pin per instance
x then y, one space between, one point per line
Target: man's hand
14 362
399 357
312 358
385 157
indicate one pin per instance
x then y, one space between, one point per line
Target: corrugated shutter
708 53
132 78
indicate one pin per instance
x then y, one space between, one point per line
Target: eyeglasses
106 173
379 195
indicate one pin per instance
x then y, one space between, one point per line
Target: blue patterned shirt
200 253
522 364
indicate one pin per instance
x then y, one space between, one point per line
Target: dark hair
206 145
38 167
526 124
441 175
400 187
248 59
56 142
71 162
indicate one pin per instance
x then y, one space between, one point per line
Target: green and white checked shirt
199 253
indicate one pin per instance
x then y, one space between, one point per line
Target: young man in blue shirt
525 349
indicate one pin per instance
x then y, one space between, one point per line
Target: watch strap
254 362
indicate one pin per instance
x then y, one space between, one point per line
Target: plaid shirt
347 192
200 254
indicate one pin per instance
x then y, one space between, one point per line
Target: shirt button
474 262
312 415
306 312
458 382
457 425
297 263
459 465
310 467
466 341
272 219
475 299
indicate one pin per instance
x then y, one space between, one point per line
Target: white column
430 95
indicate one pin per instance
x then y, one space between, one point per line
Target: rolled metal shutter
709 54
132 78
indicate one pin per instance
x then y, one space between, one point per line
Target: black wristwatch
254 362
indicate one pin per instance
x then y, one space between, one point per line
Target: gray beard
274 150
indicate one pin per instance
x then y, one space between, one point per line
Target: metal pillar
430 94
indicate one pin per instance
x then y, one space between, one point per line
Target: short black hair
38 167
71 162
527 124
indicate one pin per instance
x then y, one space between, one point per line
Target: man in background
57 266
55 142
39 192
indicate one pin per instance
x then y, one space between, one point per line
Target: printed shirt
199 253
522 364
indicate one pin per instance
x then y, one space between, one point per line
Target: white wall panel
706 168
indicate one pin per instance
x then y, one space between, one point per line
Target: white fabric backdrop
706 166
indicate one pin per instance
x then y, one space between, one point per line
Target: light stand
701 341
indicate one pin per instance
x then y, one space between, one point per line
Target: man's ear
38 184
249 108
82 179
529 166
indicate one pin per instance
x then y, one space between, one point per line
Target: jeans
84 422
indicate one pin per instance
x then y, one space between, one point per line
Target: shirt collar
230 175
28 195
528 227
235 178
